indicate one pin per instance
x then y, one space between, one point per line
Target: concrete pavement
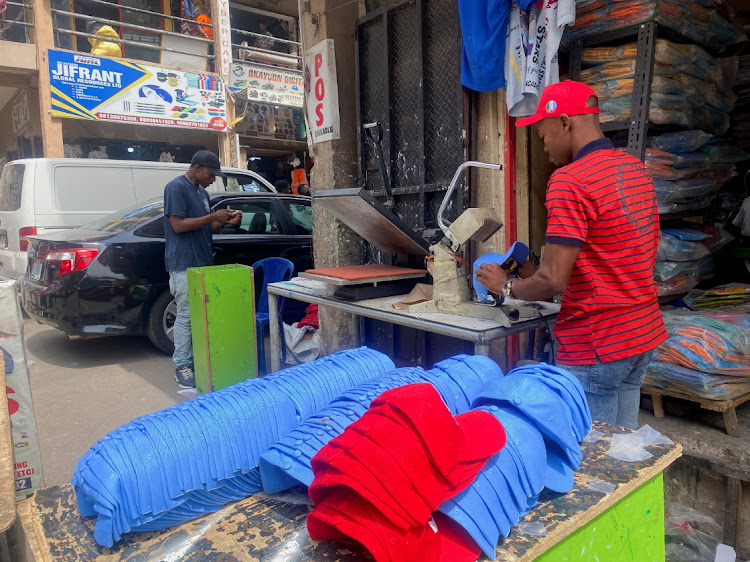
82 389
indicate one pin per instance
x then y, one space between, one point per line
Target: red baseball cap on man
567 98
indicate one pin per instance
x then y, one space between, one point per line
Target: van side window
11 184
93 188
236 182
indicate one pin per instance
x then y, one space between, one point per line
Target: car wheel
161 322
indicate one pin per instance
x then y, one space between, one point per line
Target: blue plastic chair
274 270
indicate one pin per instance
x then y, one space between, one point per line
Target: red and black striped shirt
604 203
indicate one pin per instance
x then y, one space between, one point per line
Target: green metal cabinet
222 312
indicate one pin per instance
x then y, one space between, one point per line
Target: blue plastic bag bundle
172 466
713 387
682 141
545 415
698 21
459 381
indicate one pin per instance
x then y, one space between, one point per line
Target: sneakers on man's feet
185 377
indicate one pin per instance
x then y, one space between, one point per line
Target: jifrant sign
103 89
322 92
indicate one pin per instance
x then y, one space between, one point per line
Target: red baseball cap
567 98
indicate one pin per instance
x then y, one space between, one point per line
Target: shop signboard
224 36
263 85
272 122
103 89
20 112
234 151
27 460
322 92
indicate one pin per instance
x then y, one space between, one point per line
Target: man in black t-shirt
188 229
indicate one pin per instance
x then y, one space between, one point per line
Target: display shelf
613 126
615 36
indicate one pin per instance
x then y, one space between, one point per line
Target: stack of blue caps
459 381
545 415
312 386
172 466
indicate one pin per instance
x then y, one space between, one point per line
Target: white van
42 194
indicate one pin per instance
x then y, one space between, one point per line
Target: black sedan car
108 277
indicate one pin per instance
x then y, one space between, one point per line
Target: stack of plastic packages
545 418
707 354
685 257
732 294
172 466
739 130
695 19
689 169
690 88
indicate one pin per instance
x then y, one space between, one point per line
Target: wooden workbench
626 524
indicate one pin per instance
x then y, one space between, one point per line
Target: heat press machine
381 227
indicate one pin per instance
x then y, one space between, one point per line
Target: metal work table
480 332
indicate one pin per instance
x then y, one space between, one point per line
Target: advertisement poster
27 460
265 121
277 87
102 89
19 110
322 92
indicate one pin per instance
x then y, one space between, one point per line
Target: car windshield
128 218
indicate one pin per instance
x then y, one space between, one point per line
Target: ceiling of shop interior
5 95
286 7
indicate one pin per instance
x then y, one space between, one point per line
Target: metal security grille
409 79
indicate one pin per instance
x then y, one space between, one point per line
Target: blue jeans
613 390
183 339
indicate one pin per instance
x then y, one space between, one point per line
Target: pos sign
322 92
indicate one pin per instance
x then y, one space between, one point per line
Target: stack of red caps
381 481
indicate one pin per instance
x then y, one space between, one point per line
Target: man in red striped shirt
601 242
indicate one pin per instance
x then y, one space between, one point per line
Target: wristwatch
508 289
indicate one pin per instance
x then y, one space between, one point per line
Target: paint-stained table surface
273 528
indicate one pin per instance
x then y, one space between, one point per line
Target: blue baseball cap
526 444
545 409
566 389
515 256
551 416
516 475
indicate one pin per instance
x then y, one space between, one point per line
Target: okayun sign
275 87
322 92
103 89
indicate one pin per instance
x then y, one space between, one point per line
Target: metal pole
274 328
127 25
441 223
482 349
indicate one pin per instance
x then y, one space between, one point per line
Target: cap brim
456 544
484 435
218 173
528 120
559 476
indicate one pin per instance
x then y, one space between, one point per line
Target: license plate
36 270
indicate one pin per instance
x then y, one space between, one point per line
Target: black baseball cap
209 160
